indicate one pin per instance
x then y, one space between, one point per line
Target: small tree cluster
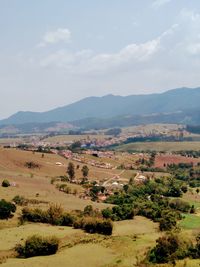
119 213
172 247
89 220
6 209
38 246
54 215
94 225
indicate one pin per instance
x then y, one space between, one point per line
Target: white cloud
159 3
54 37
86 61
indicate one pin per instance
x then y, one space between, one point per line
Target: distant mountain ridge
172 101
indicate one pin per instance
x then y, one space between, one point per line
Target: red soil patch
162 160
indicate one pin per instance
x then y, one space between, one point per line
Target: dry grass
159 146
72 138
30 182
12 236
78 256
138 226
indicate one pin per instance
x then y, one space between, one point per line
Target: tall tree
71 171
85 171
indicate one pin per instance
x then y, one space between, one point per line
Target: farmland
164 160
159 146
131 238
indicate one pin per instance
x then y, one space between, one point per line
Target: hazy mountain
177 100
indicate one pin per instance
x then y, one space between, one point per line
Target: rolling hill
174 106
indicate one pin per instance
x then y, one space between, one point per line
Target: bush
31 165
180 205
20 200
119 213
96 225
168 221
55 214
5 183
6 209
78 223
168 249
38 246
67 219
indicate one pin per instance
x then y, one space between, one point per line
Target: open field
15 235
159 146
151 128
71 138
29 182
190 221
163 160
80 255
138 226
131 238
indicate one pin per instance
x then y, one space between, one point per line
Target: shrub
67 219
96 225
180 205
5 183
168 249
54 214
38 246
31 165
78 223
119 213
34 215
64 178
6 209
168 221
20 200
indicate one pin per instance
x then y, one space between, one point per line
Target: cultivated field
159 146
72 138
163 160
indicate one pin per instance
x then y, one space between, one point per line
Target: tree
6 209
5 183
71 171
85 171
38 246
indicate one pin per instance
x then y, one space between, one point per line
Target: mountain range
180 105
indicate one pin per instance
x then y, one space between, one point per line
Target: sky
56 52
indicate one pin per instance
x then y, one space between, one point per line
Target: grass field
191 221
137 226
70 138
30 182
131 239
12 236
78 256
159 146
129 243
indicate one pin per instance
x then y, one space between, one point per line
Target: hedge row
55 216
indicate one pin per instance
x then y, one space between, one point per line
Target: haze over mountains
177 105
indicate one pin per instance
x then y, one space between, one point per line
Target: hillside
177 100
